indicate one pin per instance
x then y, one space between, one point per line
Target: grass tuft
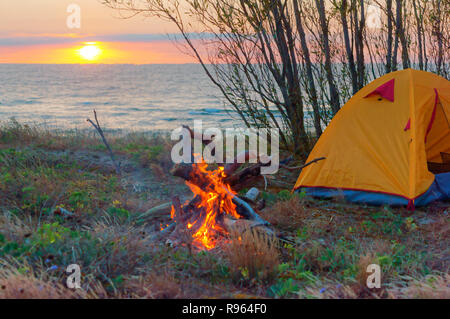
253 255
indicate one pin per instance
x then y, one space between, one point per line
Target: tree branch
100 131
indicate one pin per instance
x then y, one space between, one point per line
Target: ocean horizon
137 97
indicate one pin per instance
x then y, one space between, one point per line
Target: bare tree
359 22
281 63
309 70
390 18
343 10
419 27
436 17
334 96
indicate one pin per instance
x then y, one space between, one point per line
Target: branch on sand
100 131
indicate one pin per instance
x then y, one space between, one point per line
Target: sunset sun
90 51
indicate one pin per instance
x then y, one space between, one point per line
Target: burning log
214 211
185 170
205 182
177 211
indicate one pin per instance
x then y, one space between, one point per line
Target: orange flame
215 201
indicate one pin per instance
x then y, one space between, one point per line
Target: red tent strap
433 115
411 206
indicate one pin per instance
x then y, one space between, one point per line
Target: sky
36 31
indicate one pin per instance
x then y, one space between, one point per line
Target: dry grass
253 254
13 227
25 284
155 286
16 286
15 133
370 256
364 262
438 231
430 287
159 172
288 215
127 246
22 281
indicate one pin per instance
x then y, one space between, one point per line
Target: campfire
215 209
213 202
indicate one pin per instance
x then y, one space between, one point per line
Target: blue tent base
439 190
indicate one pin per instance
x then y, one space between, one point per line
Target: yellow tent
382 144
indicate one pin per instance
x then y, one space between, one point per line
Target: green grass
328 244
